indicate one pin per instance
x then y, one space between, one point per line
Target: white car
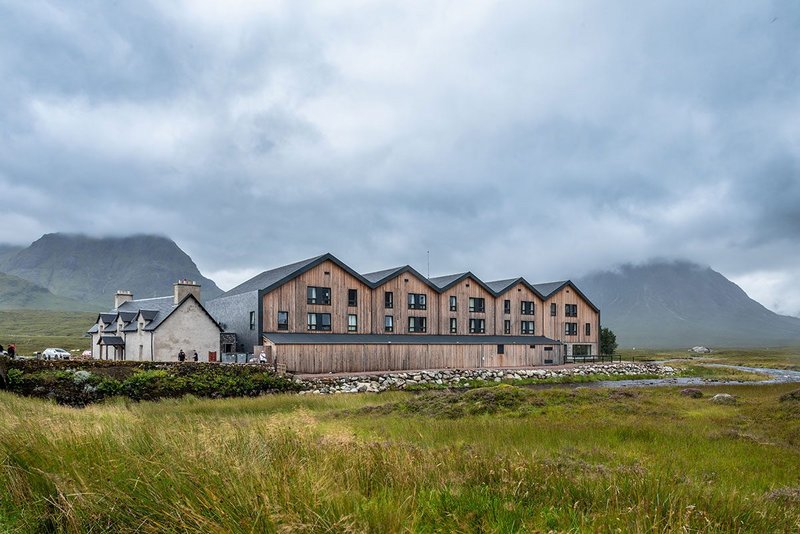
55 354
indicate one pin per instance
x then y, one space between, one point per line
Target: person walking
195 357
12 350
181 356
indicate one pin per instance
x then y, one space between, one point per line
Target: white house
157 329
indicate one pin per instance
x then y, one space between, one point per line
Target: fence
591 358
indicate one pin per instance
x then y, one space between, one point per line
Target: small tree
608 341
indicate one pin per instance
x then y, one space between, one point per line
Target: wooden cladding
327 298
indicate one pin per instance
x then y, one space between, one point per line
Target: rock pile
460 378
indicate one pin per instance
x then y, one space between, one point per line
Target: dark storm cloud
542 139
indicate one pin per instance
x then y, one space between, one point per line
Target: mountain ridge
92 269
676 303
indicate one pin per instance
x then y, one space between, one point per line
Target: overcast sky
543 139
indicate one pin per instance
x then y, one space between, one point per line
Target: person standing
194 356
12 350
181 356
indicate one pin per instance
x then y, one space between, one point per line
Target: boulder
692 392
700 350
723 398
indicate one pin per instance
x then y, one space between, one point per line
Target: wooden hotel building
319 315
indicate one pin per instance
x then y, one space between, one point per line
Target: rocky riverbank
462 378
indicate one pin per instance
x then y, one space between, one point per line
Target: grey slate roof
153 310
268 278
110 340
549 288
404 339
378 276
443 281
498 286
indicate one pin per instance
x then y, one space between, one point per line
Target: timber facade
319 316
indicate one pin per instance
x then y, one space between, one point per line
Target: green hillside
36 330
19 294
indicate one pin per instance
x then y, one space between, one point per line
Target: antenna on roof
429 265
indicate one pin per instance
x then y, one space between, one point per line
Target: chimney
182 288
122 296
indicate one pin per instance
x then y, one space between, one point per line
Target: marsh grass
508 460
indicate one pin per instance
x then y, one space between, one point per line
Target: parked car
55 354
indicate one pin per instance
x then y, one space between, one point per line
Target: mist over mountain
670 304
90 270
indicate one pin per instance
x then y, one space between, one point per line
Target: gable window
352 297
477 305
588 330
507 326
527 327
252 320
388 299
477 326
453 303
553 309
417 324
318 295
388 323
571 310
453 325
501 349
283 320
417 301
570 329
526 307
352 322
319 321
506 306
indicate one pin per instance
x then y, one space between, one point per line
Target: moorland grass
35 330
776 358
505 460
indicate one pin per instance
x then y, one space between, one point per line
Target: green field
35 330
498 459
776 358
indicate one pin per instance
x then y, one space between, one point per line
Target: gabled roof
379 276
127 316
107 317
550 288
110 340
443 283
391 274
501 286
154 311
269 280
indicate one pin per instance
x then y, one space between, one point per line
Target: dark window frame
417 301
388 327
527 307
353 327
283 325
453 325
570 329
588 329
420 324
352 298
453 303
506 306
252 320
477 305
553 309
323 300
388 299
507 326
319 322
570 310
501 349
527 327
474 327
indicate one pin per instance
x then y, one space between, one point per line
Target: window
453 325
388 323
417 324
417 301
571 310
526 307
283 320
388 299
352 297
581 350
507 326
352 322
477 326
318 295
506 306
252 320
553 309
319 321
527 327
501 349
588 329
453 303
570 329
477 305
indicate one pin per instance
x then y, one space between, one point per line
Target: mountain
681 304
19 294
90 270
6 251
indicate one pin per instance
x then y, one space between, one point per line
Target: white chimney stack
182 288
122 296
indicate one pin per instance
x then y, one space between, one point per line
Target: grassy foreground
497 459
